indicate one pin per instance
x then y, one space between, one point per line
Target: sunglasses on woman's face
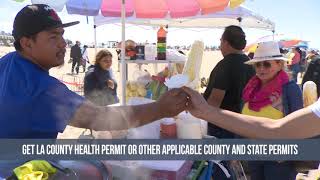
265 64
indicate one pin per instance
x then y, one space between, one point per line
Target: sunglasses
265 64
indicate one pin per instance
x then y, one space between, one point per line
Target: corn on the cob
135 89
310 95
193 64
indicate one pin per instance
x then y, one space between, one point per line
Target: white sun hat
267 51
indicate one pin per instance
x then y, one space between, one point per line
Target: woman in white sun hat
270 94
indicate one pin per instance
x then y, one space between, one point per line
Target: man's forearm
95 117
106 118
124 117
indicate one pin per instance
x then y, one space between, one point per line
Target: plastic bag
141 76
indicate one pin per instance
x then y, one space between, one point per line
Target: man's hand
197 105
172 102
110 84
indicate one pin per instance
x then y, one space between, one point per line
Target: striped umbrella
141 8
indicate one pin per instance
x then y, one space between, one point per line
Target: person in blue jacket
100 86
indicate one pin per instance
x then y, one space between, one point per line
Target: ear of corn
135 89
310 95
193 64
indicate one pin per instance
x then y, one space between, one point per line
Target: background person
75 55
270 94
295 63
303 61
100 87
228 77
227 81
85 58
313 71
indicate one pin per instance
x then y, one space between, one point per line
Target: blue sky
301 21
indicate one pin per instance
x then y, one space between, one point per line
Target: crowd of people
248 98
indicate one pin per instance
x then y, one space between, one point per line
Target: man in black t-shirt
229 77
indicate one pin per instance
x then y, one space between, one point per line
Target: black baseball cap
35 18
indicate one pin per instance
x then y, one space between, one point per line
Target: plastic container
141 76
150 52
161 44
148 131
140 55
188 127
168 128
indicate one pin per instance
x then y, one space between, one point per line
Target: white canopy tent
238 16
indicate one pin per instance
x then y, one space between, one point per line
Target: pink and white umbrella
162 8
141 8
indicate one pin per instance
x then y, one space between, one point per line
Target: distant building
6 39
111 44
